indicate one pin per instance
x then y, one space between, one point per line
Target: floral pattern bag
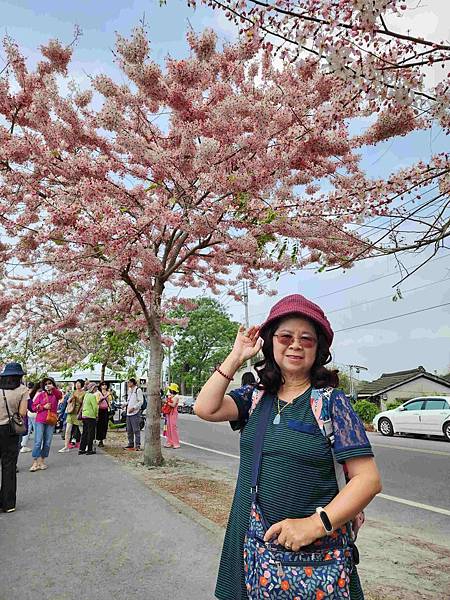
317 572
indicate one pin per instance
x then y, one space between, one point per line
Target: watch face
326 521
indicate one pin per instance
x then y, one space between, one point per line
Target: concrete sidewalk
86 529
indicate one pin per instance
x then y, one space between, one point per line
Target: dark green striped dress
297 474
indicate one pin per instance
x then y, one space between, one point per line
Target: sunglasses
287 339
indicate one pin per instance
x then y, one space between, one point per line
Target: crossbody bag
16 422
320 570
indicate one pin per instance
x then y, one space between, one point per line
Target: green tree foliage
366 410
200 346
344 381
395 403
121 352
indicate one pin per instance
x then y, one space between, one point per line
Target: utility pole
357 369
245 300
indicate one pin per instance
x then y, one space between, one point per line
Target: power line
414 312
363 283
420 287
350 287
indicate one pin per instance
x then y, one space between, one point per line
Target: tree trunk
102 372
183 387
152 449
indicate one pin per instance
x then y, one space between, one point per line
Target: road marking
209 449
442 511
439 452
437 509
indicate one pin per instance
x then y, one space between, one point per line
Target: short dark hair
248 378
269 372
103 383
132 380
10 382
80 381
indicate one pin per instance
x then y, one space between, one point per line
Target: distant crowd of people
82 414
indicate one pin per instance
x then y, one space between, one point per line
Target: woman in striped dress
297 473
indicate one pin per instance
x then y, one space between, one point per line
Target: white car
427 415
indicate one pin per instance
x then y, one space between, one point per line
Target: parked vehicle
428 415
186 404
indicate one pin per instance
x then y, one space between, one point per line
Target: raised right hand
247 343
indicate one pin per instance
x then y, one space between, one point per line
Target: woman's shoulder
18 393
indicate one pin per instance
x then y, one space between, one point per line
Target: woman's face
48 386
104 389
295 346
78 385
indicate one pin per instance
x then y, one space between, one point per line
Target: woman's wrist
231 364
318 525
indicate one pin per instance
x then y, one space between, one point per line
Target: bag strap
263 421
6 403
321 408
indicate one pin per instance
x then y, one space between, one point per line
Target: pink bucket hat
296 304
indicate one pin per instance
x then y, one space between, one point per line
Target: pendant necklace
277 418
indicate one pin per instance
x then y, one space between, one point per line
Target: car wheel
446 430
385 427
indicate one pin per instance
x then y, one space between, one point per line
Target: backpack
320 405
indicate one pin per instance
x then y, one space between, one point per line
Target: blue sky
420 339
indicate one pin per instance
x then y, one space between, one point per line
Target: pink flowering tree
53 332
216 168
388 72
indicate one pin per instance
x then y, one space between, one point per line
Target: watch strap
325 519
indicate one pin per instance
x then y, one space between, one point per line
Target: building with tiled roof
403 385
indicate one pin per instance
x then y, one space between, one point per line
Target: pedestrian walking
33 389
287 451
73 424
104 398
13 402
45 405
89 413
170 411
134 402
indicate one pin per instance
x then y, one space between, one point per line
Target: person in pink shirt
45 405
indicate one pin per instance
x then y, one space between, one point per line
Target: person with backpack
13 409
293 521
73 423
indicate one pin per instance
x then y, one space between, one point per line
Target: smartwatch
325 520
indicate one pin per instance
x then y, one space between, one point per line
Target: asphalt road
414 471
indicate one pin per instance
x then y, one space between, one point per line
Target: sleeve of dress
350 438
243 399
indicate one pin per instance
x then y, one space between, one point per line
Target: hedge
365 410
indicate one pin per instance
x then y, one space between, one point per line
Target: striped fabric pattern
297 475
